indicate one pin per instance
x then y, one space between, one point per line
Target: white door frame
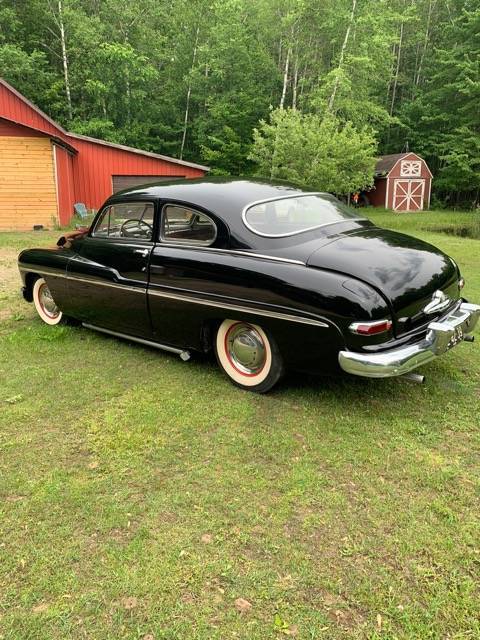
408 180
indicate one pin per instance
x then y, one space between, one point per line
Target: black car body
307 283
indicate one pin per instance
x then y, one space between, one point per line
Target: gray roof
386 163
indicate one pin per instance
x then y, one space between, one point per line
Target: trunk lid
405 270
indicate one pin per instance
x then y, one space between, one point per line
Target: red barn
402 182
44 169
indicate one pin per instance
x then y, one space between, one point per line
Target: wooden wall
27 183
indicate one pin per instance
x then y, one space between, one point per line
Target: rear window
288 216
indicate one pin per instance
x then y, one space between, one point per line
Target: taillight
370 328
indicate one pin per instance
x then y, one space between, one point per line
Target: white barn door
408 195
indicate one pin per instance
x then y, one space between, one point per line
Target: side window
181 224
126 220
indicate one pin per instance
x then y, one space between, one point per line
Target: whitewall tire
248 355
45 304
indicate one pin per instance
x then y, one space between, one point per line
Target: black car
268 275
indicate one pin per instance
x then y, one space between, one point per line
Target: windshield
291 215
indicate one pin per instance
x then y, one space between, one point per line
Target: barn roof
386 163
142 152
20 110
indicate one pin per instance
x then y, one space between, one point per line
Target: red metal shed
402 182
44 169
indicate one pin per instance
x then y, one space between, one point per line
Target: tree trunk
397 69
189 92
64 59
331 102
425 42
295 84
285 79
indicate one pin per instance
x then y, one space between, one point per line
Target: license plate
456 338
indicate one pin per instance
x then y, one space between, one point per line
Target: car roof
224 196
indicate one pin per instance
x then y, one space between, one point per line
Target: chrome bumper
441 336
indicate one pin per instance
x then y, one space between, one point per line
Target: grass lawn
141 496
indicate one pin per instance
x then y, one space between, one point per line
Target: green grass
464 224
141 496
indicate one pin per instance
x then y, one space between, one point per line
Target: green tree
444 122
313 150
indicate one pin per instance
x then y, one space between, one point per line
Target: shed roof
386 163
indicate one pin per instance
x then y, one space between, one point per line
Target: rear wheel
248 355
45 304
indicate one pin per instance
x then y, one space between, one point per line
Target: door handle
142 252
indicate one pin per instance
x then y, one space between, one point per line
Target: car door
178 266
108 275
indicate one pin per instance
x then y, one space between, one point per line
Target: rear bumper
440 337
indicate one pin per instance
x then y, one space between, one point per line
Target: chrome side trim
294 233
183 353
113 285
233 252
233 307
441 336
191 299
43 271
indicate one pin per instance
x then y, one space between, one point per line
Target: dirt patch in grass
9 280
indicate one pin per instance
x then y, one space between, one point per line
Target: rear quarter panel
255 283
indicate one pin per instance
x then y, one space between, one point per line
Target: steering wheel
139 223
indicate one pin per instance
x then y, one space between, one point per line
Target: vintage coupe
268 275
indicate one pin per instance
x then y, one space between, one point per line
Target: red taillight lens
370 328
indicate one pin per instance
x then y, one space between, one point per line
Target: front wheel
248 355
45 304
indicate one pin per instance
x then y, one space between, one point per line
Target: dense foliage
353 78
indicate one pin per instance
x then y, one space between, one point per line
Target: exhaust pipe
469 338
414 377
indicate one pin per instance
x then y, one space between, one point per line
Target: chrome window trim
239 252
166 241
292 233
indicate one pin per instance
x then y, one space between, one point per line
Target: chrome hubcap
246 349
47 302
